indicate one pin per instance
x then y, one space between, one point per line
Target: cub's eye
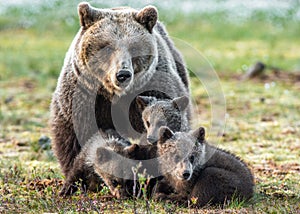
148 124
114 183
192 158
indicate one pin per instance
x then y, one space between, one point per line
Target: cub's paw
68 189
160 197
170 198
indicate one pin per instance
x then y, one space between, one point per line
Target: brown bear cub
84 164
163 112
111 160
196 169
115 167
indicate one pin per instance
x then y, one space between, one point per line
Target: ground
262 114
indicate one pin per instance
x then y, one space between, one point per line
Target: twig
135 171
145 193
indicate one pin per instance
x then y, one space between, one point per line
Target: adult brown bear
116 55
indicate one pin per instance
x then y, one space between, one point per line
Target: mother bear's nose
123 75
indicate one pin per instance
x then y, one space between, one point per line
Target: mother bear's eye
105 48
103 45
177 158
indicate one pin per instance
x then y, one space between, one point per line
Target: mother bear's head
116 48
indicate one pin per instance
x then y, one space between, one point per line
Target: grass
233 46
262 120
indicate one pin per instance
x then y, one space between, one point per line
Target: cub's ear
103 155
199 134
180 102
144 101
147 17
164 134
88 14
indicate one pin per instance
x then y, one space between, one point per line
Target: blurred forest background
262 111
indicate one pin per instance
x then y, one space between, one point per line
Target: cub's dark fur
195 169
163 112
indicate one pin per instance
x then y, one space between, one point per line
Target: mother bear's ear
88 15
147 17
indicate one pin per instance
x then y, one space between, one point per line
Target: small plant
144 181
141 183
194 200
104 190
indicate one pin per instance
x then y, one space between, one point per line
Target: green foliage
104 190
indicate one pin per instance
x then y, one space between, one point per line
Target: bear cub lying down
195 169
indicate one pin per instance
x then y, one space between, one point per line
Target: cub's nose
123 75
186 174
151 139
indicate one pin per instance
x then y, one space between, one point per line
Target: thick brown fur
83 166
111 160
195 169
87 89
115 166
156 113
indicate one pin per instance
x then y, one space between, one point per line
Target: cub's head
115 163
180 152
115 170
116 47
158 113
